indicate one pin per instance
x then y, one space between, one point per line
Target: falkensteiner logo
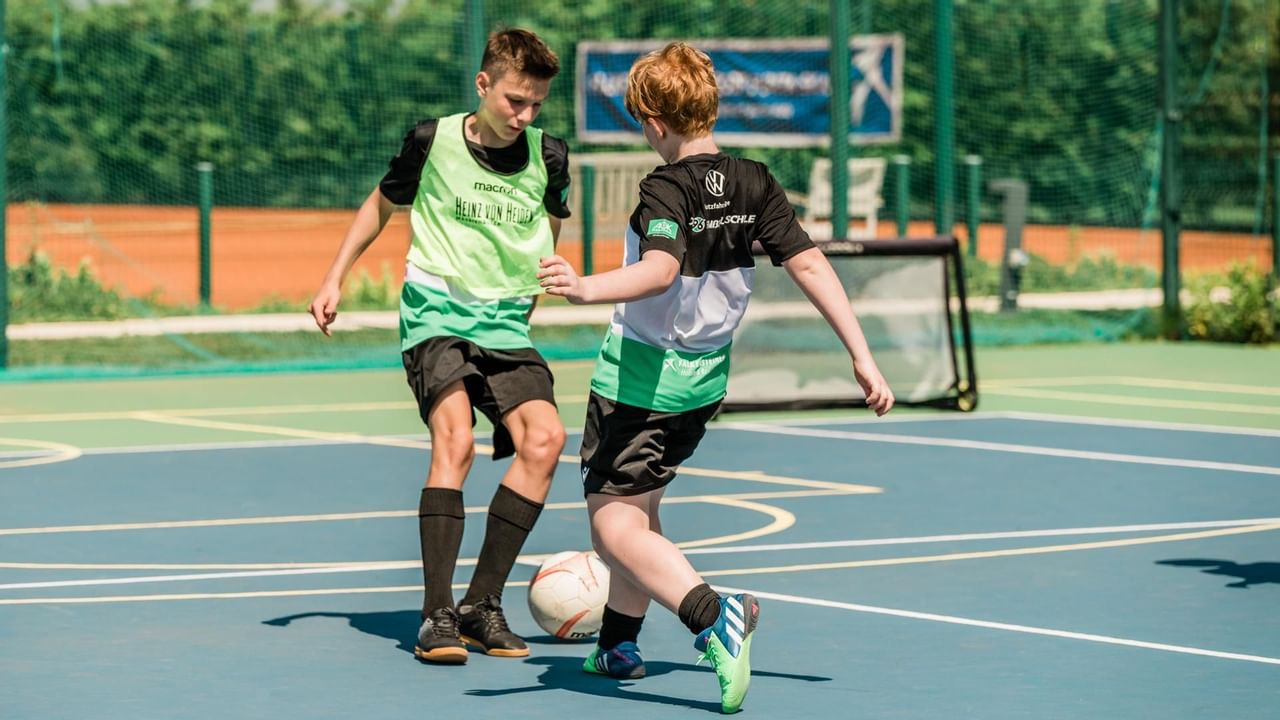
715 183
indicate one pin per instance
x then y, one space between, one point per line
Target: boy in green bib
488 192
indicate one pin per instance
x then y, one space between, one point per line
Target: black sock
440 521
511 517
700 608
618 628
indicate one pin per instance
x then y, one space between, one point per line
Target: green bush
1094 272
40 291
1249 315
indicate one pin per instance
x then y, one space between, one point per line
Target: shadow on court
399 625
561 673
1249 574
565 673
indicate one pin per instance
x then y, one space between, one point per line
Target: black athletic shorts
496 380
628 450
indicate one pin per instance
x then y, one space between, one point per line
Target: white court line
1010 448
1103 530
377 566
1141 424
1143 402
951 619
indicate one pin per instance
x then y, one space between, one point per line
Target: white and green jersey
670 352
479 222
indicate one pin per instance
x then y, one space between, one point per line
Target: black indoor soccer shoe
484 626
438 640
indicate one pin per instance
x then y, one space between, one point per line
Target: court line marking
1009 448
1162 383
749 475
1006 552
728 499
1139 401
1141 424
61 452
301 408
954 620
781 520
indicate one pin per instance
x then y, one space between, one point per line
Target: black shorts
628 450
497 381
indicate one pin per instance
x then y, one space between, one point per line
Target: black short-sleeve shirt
400 184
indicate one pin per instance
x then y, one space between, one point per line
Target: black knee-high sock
440 521
511 517
618 628
700 608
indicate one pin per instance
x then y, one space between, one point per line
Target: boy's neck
476 130
682 147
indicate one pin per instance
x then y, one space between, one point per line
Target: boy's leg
617 652
441 518
538 436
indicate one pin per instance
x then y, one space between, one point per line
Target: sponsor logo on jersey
494 188
698 224
693 368
662 227
715 183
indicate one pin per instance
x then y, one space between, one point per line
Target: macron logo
491 187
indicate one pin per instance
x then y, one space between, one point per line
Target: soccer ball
568 593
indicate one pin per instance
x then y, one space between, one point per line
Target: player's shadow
399 625
565 673
1250 573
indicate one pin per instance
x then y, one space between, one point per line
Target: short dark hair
520 51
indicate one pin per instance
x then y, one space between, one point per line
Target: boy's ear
659 127
483 83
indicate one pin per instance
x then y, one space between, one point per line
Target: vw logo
715 183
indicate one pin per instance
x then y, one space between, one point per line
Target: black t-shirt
708 210
400 184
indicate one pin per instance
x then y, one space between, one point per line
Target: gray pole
902 192
1170 181
973 205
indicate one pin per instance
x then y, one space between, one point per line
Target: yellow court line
781 521
380 514
749 475
1162 383
1138 401
61 453
1008 552
710 573
234 595
311 408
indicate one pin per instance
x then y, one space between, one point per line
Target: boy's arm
368 223
814 275
652 275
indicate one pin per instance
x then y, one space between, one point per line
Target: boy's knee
454 446
542 446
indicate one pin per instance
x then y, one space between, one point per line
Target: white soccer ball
568 593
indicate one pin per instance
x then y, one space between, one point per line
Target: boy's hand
324 307
559 278
879 396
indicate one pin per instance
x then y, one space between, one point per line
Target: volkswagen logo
715 183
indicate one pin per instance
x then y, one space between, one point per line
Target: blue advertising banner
773 92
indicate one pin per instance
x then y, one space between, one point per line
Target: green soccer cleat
727 644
